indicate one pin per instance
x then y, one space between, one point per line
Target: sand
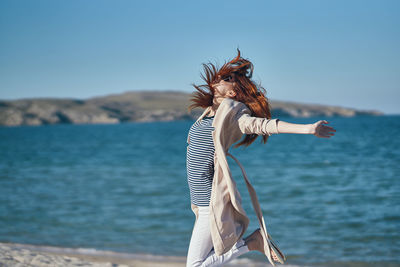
18 255
12 254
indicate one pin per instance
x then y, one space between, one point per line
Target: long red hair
247 91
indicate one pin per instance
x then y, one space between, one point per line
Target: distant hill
140 106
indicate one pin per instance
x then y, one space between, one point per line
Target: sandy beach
28 255
13 254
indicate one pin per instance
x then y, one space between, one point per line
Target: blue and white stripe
200 161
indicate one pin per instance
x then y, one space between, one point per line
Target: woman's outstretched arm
262 126
318 128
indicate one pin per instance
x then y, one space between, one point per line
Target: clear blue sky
344 53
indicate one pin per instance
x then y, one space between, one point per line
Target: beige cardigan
228 220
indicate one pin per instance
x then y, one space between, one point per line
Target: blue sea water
328 202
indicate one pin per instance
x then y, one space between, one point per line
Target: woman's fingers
324 131
326 135
328 129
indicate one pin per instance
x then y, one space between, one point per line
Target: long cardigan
228 220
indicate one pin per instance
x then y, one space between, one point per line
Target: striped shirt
200 161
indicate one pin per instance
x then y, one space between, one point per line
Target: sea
123 188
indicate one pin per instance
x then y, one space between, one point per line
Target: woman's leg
201 251
200 242
238 249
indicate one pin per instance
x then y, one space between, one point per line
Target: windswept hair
247 92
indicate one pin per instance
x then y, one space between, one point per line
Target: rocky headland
139 106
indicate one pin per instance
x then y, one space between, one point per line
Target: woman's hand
320 130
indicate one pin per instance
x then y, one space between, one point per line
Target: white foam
96 252
240 262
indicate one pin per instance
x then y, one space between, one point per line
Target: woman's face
224 88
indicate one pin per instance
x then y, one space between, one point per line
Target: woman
235 105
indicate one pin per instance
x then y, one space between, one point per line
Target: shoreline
17 254
21 255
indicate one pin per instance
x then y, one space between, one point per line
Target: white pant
201 252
